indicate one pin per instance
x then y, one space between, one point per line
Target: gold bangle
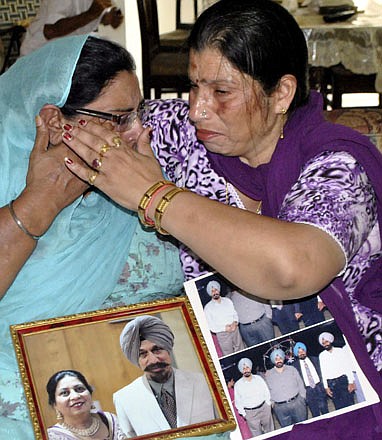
162 206
144 202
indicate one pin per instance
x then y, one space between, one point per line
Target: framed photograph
89 343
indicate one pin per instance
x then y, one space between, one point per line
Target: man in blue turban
222 320
287 390
253 400
310 372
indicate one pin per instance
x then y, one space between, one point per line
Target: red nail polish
67 136
82 122
68 127
68 160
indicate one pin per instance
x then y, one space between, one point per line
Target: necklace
87 432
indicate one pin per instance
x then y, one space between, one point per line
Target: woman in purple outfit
254 137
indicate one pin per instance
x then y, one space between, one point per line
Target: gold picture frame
89 343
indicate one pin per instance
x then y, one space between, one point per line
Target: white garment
251 393
49 13
336 363
139 413
220 314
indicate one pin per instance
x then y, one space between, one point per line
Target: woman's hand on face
122 170
52 185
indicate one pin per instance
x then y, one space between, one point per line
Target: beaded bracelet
20 224
162 206
147 199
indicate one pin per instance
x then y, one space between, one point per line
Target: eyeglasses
123 122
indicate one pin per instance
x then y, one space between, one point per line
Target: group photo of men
238 320
292 379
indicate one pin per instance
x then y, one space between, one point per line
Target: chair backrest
148 22
12 52
178 18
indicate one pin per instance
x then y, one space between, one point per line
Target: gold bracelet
20 224
145 200
162 206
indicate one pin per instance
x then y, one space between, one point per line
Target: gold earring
283 113
59 416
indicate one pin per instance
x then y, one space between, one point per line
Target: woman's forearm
35 214
271 258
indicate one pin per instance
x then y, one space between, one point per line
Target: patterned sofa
365 120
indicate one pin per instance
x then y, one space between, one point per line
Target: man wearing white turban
337 372
287 390
253 399
222 320
163 397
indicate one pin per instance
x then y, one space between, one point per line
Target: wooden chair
345 81
14 34
163 70
177 39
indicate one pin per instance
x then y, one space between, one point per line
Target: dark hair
51 386
260 38
99 62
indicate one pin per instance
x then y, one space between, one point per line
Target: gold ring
105 147
97 163
92 177
117 141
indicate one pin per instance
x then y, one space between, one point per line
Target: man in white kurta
337 372
253 399
67 18
223 320
163 397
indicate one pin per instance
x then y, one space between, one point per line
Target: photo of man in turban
164 397
287 390
223 320
253 399
337 372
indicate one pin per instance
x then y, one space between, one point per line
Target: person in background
337 372
71 396
255 318
283 315
57 18
310 311
164 397
287 390
254 136
310 372
222 320
242 423
65 247
253 399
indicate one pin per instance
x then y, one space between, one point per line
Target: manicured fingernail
68 160
82 122
38 121
67 136
68 127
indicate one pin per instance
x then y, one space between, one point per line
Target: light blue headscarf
76 264
78 261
